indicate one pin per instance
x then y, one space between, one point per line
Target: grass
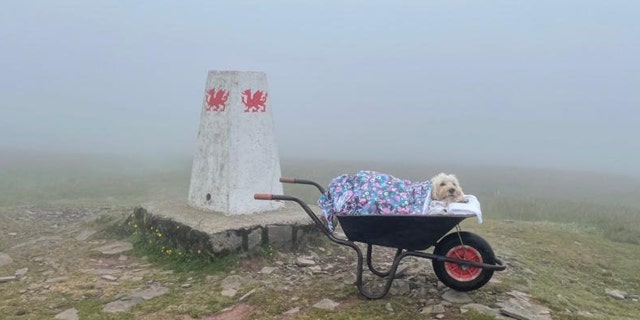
564 237
571 268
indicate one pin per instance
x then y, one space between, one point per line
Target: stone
21 272
479 308
122 305
150 293
228 292
304 262
292 311
7 279
109 277
280 237
99 272
57 279
226 241
114 248
326 304
616 294
5 259
69 314
438 308
456 296
400 287
85 234
389 307
247 295
524 310
232 282
315 269
254 238
267 270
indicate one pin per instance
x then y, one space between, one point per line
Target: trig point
236 153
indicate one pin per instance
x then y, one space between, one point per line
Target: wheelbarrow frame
390 231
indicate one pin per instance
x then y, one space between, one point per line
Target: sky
527 83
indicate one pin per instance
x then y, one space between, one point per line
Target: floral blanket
370 192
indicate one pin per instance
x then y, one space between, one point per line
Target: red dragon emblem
216 100
255 102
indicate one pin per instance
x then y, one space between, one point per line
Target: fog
525 83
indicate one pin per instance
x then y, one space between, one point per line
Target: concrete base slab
193 230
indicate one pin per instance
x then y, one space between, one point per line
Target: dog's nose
452 190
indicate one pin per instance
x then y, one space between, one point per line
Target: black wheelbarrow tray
462 260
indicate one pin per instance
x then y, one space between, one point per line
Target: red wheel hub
461 272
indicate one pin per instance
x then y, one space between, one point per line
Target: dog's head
445 187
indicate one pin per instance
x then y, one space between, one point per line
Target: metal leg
389 279
370 263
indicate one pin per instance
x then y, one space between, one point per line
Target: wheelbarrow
463 261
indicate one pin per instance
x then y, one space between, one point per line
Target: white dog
445 187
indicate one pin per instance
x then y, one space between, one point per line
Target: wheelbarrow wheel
461 277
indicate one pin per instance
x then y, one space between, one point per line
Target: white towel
471 207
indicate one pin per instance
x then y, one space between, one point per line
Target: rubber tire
469 239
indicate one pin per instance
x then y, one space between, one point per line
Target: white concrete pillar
236 153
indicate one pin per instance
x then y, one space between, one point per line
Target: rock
440 316
616 294
292 311
438 308
315 269
7 279
267 270
21 272
13 234
85 234
5 259
122 305
389 307
150 293
304 262
456 296
69 314
57 279
248 294
400 287
426 310
326 304
228 292
185 285
114 248
109 277
479 308
99 272
20 312
524 310
231 282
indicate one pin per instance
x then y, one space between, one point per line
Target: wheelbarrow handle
268 196
263 196
302 181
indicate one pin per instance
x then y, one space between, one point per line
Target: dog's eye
455 185
442 184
